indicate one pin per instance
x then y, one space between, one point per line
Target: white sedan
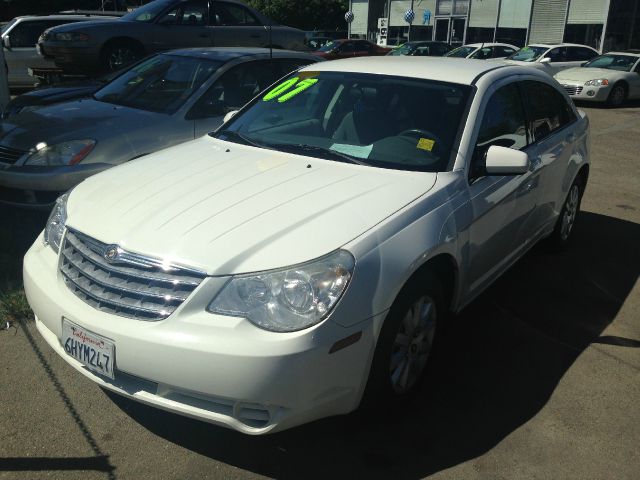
612 78
301 259
483 51
552 58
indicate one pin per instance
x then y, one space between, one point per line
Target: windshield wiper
325 153
237 137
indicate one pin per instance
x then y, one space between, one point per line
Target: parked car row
301 259
163 100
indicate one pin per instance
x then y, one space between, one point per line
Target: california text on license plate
93 351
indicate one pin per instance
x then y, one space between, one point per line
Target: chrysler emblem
111 253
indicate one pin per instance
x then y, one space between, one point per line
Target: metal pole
349 23
409 32
604 27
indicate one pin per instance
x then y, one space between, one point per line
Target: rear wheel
120 54
406 342
561 235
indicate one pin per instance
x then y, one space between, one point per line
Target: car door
558 60
363 48
345 49
235 26
502 206
186 25
550 118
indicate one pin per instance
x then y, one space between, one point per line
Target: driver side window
194 13
503 124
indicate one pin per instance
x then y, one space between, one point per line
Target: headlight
71 37
289 299
66 153
597 83
55 224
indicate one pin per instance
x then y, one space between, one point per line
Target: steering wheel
419 132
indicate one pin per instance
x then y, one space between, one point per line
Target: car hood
56 94
72 120
89 24
226 208
581 74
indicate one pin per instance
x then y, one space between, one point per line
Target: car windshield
405 49
148 12
327 47
528 54
461 52
623 63
376 120
160 84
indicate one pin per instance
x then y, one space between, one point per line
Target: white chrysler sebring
299 260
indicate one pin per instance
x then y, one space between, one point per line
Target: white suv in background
553 58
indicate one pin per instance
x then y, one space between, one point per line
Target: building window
513 36
452 7
584 34
479 35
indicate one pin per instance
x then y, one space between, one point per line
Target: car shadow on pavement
496 368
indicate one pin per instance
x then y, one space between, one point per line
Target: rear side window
503 124
578 54
193 13
232 15
548 109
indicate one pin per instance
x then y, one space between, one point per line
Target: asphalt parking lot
538 378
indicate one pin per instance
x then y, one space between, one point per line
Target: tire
562 232
405 343
118 55
617 95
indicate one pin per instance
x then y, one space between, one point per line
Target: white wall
587 11
515 14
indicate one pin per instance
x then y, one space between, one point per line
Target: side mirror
545 60
6 41
229 116
506 161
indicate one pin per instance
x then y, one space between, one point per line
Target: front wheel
617 96
406 342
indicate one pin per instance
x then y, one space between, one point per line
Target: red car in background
347 48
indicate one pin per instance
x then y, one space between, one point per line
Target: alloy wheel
412 344
570 211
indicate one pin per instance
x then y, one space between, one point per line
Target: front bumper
38 187
72 58
579 92
219 369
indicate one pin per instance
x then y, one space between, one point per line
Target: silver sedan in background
164 100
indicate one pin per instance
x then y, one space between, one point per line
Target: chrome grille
573 89
128 285
10 155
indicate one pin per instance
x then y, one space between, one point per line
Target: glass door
442 30
457 31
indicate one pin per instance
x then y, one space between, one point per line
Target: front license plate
93 351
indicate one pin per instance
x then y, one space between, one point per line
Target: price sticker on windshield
426 144
289 89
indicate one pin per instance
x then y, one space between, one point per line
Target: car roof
488 44
453 70
629 53
69 16
554 45
226 54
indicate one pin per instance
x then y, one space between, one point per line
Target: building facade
603 24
